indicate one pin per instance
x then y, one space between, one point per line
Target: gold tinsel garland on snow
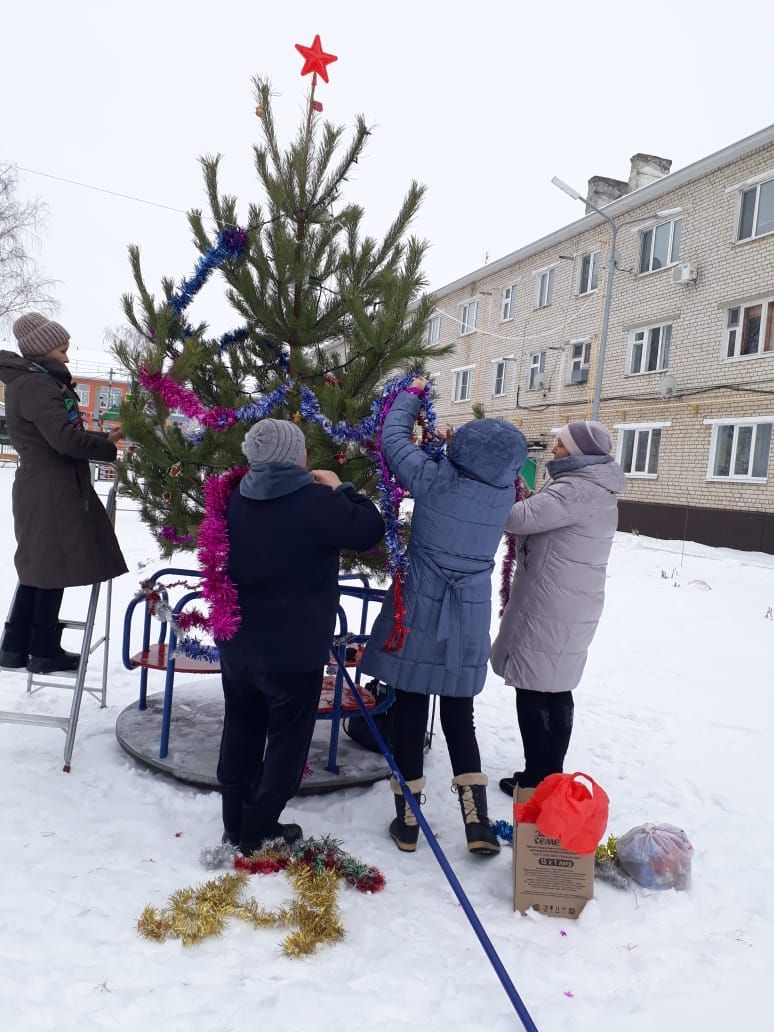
195 914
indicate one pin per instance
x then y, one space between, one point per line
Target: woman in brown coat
63 535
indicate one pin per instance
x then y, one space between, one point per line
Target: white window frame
433 330
582 361
646 331
115 398
595 261
497 365
736 328
468 326
547 274
738 422
746 188
673 258
457 380
508 303
637 429
80 390
537 366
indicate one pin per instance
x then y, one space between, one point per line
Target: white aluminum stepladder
75 680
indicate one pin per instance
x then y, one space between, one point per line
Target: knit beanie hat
274 440
586 438
38 335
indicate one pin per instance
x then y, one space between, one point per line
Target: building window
544 288
649 349
537 368
498 385
660 246
83 393
469 315
638 451
108 398
461 379
740 451
580 355
508 305
756 212
433 330
589 273
750 329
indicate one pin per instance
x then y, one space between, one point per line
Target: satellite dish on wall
668 386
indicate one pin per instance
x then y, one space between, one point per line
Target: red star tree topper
315 59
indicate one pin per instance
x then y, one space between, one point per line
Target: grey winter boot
404 829
471 791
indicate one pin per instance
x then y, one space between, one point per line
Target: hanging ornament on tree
260 111
341 458
176 470
166 497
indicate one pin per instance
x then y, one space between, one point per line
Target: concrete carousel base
194 741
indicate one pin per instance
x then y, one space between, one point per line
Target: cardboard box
546 877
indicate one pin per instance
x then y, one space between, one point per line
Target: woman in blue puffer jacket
460 508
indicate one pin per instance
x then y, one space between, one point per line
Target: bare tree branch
21 284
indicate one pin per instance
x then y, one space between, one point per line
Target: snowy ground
674 719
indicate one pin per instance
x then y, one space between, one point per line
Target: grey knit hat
38 335
586 438
274 440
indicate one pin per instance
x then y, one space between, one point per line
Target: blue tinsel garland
229 247
362 433
503 830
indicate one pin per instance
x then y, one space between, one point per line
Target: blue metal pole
451 877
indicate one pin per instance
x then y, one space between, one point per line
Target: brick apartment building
688 385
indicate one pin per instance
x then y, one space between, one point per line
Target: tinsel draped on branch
509 559
221 595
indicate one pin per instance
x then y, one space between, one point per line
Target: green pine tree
345 307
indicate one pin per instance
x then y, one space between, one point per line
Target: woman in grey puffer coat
460 508
565 535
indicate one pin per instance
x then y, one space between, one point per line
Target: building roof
629 201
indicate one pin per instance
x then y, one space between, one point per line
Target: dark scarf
556 467
59 372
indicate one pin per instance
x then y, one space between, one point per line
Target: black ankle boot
47 655
509 785
404 830
14 651
471 791
62 662
255 832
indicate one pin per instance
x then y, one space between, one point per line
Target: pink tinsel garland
172 393
213 549
509 561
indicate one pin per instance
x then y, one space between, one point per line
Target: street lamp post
611 267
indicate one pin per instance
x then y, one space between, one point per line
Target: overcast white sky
483 102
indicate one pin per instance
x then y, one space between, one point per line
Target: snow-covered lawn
674 719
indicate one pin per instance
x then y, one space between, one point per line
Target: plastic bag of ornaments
657 856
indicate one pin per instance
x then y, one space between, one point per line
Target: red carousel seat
156 659
348 700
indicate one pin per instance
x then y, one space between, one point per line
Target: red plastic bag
565 809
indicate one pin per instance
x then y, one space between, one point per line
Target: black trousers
33 623
411 711
267 728
545 722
